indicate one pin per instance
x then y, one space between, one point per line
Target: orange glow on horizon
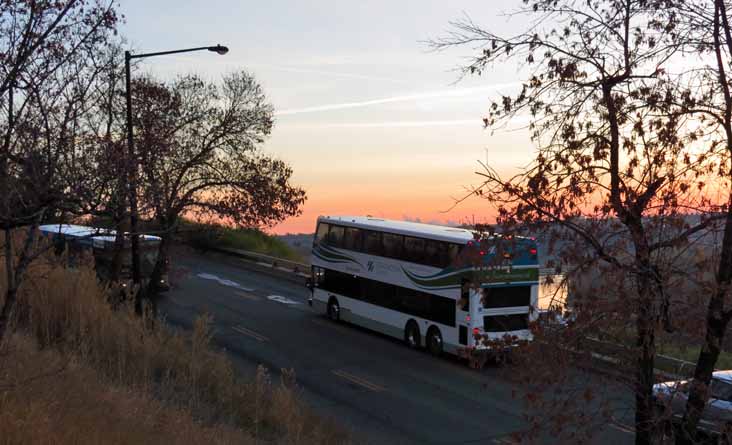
395 206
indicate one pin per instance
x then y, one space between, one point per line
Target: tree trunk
15 273
160 264
10 291
717 322
117 255
646 350
644 409
7 310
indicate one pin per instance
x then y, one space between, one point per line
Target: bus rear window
506 323
509 296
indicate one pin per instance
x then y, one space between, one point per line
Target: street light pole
132 158
132 177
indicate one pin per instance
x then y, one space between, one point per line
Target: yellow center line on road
248 296
244 331
358 381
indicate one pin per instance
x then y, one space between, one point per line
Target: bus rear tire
334 310
411 335
434 341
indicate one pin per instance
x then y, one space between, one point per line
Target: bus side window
372 243
335 236
436 254
453 250
352 239
414 250
393 244
464 301
321 233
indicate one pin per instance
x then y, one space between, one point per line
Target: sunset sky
370 119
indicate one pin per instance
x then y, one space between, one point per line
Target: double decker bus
433 286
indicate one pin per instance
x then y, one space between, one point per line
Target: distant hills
300 242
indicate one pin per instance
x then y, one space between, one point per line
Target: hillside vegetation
81 371
207 236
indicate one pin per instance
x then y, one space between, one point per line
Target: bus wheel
434 341
411 335
334 311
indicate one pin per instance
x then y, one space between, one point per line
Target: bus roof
431 231
96 233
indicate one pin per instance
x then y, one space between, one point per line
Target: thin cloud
390 124
339 74
455 92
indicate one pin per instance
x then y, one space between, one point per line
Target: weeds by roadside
66 310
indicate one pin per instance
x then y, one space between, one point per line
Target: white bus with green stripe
433 286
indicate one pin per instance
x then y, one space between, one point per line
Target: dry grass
68 403
66 310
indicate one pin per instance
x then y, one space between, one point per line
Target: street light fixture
132 173
220 49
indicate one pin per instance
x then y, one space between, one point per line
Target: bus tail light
533 251
476 332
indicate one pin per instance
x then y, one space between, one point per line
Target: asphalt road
384 392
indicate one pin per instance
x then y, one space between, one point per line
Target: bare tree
704 92
101 153
48 51
200 157
618 165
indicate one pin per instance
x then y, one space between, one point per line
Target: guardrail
294 267
665 366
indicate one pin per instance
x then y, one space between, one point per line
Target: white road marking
358 380
244 331
283 300
223 281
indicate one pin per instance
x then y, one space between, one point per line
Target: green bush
208 236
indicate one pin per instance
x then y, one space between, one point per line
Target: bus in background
432 286
77 240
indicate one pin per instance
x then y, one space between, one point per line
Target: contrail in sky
458 92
